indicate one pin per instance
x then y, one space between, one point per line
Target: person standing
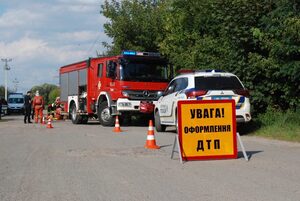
38 105
27 107
32 110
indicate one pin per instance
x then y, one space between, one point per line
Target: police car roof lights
136 53
185 71
212 71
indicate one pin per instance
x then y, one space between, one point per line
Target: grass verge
276 125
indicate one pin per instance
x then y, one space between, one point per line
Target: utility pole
16 82
6 68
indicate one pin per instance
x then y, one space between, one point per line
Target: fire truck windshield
144 70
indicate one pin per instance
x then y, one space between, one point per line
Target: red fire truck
114 85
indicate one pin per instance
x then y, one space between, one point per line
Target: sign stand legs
176 142
242 146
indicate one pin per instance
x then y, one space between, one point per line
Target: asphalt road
90 162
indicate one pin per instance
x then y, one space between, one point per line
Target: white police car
201 85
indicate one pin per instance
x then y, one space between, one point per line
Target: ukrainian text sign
207 129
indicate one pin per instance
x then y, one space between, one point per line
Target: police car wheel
158 126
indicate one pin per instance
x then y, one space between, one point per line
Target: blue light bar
135 53
129 52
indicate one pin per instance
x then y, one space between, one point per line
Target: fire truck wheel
158 126
125 118
85 119
176 120
76 119
104 115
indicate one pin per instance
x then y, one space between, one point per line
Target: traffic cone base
151 143
151 146
49 125
43 120
117 128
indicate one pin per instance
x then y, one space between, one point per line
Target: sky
42 35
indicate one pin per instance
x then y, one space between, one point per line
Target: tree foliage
2 91
54 93
133 24
259 40
45 90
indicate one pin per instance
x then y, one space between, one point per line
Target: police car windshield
217 83
144 70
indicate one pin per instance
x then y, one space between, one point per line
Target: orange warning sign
207 129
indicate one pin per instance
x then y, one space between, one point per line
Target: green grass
277 125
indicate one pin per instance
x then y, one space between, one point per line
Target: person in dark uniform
27 107
32 110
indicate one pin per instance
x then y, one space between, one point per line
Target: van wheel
76 119
104 115
158 126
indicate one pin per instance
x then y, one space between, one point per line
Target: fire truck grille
142 95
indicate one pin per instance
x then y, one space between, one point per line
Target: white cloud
79 5
18 17
79 35
41 36
35 62
29 49
81 1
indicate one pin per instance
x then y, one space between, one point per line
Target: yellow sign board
207 129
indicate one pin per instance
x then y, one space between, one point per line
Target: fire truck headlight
124 104
125 93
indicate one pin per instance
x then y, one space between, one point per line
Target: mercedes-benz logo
146 93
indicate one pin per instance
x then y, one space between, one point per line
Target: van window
16 100
217 83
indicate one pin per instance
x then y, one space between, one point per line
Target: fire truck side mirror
111 69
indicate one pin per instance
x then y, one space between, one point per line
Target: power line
92 46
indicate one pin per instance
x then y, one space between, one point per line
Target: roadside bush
281 125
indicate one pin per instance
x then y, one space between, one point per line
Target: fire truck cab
112 85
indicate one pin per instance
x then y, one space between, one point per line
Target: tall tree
258 40
133 24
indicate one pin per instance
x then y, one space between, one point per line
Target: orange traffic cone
49 125
151 143
43 120
117 128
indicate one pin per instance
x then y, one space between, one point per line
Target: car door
168 104
167 100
